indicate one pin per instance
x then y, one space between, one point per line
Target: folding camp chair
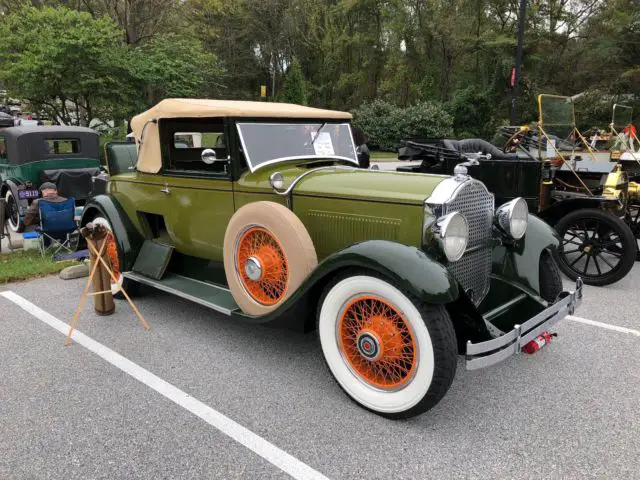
57 224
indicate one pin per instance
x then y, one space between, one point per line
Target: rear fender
555 212
129 239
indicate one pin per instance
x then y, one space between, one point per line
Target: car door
196 198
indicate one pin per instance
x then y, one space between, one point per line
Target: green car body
357 218
399 272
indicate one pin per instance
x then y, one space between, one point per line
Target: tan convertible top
145 126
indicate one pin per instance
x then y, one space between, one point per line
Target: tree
66 63
174 66
294 90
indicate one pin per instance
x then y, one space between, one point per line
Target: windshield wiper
316 135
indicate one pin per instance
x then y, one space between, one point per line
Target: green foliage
173 66
472 112
112 59
294 90
78 68
387 126
64 61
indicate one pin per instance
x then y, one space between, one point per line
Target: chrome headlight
513 217
452 233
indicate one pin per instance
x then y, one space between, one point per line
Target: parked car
277 225
29 156
6 120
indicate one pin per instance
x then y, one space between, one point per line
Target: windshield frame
323 122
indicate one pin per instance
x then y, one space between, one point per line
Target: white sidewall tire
105 223
375 399
12 227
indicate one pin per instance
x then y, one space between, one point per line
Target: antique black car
29 156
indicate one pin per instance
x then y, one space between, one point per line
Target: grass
28 264
379 156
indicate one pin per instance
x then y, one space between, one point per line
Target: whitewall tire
12 203
389 352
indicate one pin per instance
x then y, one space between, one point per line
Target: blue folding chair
57 224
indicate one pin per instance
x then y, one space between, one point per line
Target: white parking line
608 326
240 434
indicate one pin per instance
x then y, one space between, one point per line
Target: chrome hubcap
253 269
369 346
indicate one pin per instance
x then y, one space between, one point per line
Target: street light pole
516 81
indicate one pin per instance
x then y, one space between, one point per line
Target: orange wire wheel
112 253
262 266
377 343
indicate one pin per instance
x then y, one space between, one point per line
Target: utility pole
516 75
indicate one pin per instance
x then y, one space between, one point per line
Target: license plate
28 194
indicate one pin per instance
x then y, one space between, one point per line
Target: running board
203 293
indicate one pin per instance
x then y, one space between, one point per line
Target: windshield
265 143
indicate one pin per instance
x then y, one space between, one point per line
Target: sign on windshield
265 143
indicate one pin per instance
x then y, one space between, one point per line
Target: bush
387 126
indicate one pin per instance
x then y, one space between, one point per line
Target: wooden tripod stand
100 261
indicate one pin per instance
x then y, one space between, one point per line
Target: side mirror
208 156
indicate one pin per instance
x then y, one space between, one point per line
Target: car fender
411 269
128 237
559 209
520 261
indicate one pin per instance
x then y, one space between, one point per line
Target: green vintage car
267 218
29 156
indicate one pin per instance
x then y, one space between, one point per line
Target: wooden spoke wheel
268 254
596 246
389 351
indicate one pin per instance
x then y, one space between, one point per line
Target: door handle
165 190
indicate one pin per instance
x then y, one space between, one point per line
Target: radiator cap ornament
460 171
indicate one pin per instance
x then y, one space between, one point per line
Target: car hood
346 182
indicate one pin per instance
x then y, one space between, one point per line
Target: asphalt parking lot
200 396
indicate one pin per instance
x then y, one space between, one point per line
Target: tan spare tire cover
267 255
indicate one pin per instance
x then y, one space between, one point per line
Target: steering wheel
511 145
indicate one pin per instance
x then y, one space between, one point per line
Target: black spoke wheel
596 246
633 220
12 214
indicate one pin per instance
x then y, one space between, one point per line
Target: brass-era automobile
29 156
267 218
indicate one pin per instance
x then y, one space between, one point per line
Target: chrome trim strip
478 354
295 181
155 284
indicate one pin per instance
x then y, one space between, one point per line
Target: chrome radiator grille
473 270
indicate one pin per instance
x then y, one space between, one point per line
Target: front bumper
483 354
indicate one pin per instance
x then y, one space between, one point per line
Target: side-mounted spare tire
268 253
